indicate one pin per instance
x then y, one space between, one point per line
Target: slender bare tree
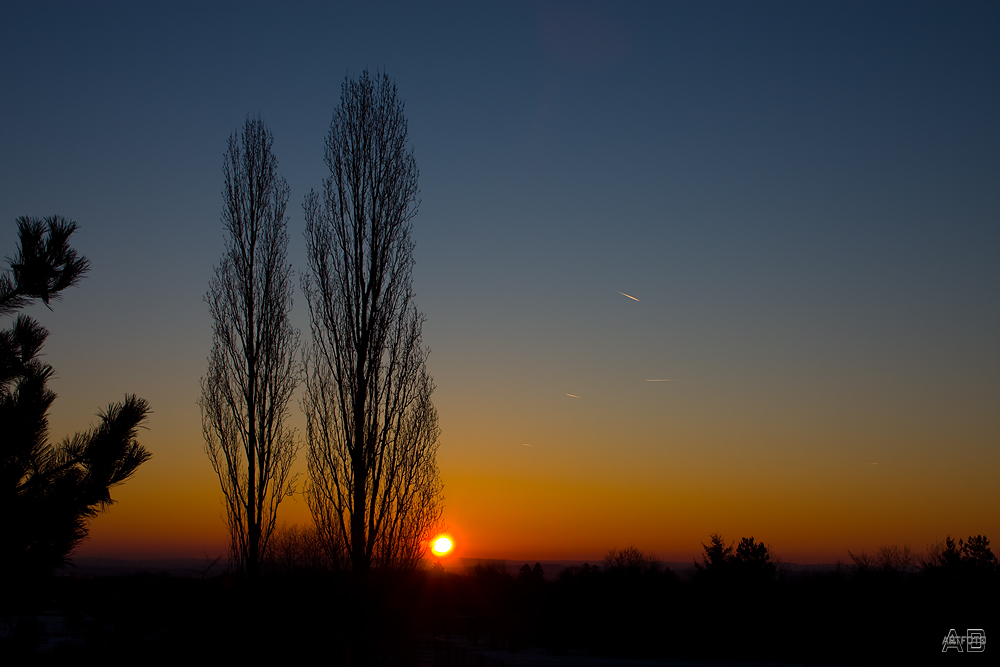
375 491
252 371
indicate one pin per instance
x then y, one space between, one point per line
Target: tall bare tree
374 490
252 371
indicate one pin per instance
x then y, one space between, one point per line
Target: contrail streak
526 444
629 296
572 395
661 380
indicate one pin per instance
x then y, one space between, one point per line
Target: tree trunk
360 560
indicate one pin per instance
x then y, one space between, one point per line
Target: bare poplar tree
251 370
375 491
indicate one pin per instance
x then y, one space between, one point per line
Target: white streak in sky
572 395
629 296
526 444
661 380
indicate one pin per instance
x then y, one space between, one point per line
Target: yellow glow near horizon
441 546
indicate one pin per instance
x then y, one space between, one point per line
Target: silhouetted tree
977 553
251 370
531 575
749 562
752 561
629 559
972 557
48 493
374 491
943 555
717 555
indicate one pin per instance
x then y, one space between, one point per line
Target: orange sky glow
685 270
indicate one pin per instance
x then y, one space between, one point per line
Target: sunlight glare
441 546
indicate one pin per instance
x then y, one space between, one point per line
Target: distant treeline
887 607
738 603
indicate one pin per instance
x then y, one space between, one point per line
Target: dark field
493 614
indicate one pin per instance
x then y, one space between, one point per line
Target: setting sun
440 546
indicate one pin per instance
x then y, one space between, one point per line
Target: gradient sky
804 197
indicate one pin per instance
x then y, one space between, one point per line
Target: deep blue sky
805 197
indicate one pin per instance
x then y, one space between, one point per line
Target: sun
441 546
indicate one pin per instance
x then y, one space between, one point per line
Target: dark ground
489 616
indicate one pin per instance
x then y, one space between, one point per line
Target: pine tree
49 492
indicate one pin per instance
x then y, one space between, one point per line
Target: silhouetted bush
887 561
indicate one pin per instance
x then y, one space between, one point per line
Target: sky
802 198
